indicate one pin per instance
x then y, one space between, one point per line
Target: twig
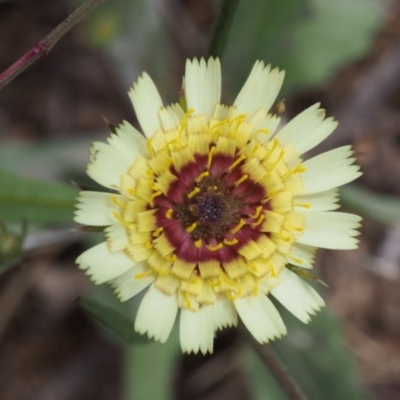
219 39
45 45
281 375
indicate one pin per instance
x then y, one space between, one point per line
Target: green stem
45 45
275 367
219 39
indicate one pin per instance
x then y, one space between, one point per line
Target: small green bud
10 244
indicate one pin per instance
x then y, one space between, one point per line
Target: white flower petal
307 130
102 264
171 116
302 255
110 161
297 296
147 102
322 201
330 230
203 85
224 313
196 330
260 90
156 314
132 282
117 237
265 125
128 140
107 164
96 208
329 170
260 317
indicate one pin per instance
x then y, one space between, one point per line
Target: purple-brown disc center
210 209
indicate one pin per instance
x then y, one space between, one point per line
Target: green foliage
310 40
10 245
114 320
146 359
380 207
315 356
35 200
149 370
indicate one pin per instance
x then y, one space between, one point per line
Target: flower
211 207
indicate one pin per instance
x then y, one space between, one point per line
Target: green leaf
113 320
301 37
145 364
380 207
35 200
315 356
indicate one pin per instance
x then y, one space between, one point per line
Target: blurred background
344 54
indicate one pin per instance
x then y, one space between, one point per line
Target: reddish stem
44 46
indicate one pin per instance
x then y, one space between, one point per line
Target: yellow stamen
295 259
197 243
252 267
235 163
298 168
120 219
257 213
153 196
143 275
265 131
228 280
239 226
258 222
148 244
169 213
231 242
184 120
215 248
158 232
202 176
153 186
238 120
193 193
231 296
239 290
267 199
171 258
192 227
188 302
304 205
241 180
132 192
114 199
256 288
210 156
149 146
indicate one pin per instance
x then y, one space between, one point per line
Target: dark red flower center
211 212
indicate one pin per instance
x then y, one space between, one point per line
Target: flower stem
219 39
45 45
279 372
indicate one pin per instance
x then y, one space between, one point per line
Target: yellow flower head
212 204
